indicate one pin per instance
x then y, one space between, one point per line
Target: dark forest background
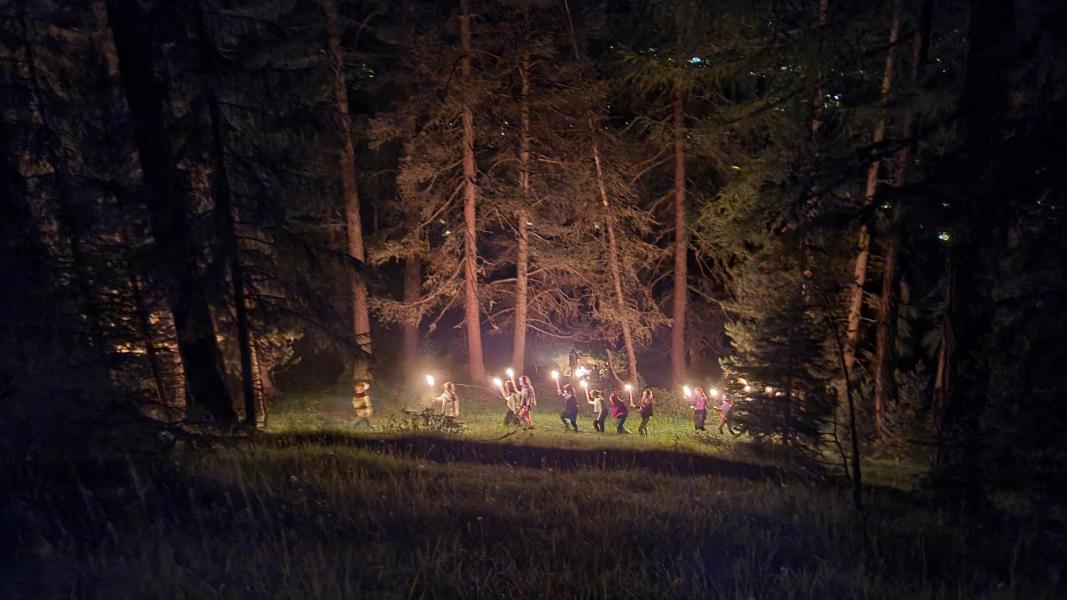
855 202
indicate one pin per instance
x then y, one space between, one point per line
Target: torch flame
497 382
688 392
510 372
555 375
714 392
628 387
429 380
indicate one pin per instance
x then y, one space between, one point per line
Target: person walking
645 409
512 399
528 400
600 411
620 411
449 402
361 402
726 406
700 409
570 408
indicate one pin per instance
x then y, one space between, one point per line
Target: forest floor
309 509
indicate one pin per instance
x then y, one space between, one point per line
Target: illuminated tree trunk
144 326
613 244
885 349
681 245
349 188
522 255
476 365
863 242
886 334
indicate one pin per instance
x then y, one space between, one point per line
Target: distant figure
572 361
449 402
361 402
700 409
570 407
620 412
528 400
645 408
512 399
600 410
726 406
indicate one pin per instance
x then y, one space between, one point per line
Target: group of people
520 401
699 402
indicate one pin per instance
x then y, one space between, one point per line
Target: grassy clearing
313 508
255 518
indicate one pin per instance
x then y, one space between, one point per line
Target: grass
299 512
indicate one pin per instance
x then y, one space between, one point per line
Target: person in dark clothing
645 409
572 360
570 407
620 411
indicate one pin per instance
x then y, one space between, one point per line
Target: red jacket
618 407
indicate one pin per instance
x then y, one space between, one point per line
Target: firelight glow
584 384
497 382
685 390
768 389
510 372
555 375
429 380
748 388
628 387
714 392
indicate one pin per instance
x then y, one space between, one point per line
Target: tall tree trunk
681 245
885 348
870 190
220 193
170 207
475 361
886 333
613 264
349 188
144 327
945 356
613 245
522 253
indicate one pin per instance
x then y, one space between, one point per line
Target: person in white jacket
449 401
600 410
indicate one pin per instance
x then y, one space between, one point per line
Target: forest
245 242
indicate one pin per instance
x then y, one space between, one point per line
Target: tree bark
349 187
945 356
522 253
886 335
681 245
144 326
613 247
870 190
885 349
220 193
170 206
613 263
475 361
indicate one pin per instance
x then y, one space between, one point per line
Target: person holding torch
511 400
570 407
449 402
700 409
